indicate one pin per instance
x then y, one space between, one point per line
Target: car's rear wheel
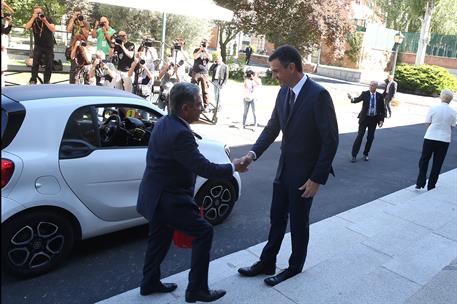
36 242
217 200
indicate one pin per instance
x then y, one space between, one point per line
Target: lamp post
398 38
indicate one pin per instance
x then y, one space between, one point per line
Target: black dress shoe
258 268
353 159
162 288
282 276
204 295
365 157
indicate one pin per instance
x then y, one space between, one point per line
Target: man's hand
310 188
247 159
380 123
239 165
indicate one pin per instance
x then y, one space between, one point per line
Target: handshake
241 164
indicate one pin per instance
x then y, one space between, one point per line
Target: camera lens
142 61
41 15
118 40
101 24
80 17
83 43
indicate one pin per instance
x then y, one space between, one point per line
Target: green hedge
426 80
237 74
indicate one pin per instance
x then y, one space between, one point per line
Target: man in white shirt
440 119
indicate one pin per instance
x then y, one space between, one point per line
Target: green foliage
424 80
23 10
355 40
444 20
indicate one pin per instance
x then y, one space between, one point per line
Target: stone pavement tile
396 238
376 223
328 238
228 265
424 259
421 210
133 297
333 276
442 289
378 287
360 213
442 193
401 196
448 231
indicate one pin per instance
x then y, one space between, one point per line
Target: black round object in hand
80 17
142 61
41 16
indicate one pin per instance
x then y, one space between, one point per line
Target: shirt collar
185 122
297 88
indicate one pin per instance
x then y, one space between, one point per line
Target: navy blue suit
166 198
309 144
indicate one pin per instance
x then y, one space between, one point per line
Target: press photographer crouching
142 74
169 75
77 25
43 51
122 56
102 72
80 55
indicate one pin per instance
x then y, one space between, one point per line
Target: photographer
168 75
251 82
6 29
200 70
77 25
81 57
219 74
178 54
150 52
103 32
43 33
122 56
142 74
102 72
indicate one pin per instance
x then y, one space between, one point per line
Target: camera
249 74
142 61
177 46
80 17
6 15
41 16
147 42
118 40
203 44
101 24
83 43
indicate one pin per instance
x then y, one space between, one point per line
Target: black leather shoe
204 295
258 268
162 288
365 157
282 276
353 159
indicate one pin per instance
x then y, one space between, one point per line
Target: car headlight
227 150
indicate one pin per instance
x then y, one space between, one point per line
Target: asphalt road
105 266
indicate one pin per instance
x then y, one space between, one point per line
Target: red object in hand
183 240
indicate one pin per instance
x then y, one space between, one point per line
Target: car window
81 126
125 126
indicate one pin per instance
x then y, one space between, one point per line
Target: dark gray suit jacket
380 107
172 163
223 73
310 135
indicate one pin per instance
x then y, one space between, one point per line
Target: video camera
249 74
147 42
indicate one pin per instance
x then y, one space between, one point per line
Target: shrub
424 80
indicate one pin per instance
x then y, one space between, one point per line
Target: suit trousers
387 101
171 214
287 202
438 149
370 123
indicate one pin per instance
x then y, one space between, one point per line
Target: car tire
36 242
217 200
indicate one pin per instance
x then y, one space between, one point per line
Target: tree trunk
222 44
425 33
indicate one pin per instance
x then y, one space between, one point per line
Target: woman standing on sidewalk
440 120
251 82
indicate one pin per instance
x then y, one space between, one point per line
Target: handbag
182 240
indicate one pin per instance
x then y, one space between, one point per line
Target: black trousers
370 123
73 68
174 213
42 56
287 202
438 150
387 101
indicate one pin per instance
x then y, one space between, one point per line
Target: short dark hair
182 93
287 54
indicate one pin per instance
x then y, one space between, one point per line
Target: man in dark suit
166 195
248 52
389 93
305 114
372 114
219 74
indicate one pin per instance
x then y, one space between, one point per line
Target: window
82 126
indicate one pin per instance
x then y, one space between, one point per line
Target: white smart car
72 161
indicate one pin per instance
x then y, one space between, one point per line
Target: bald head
373 86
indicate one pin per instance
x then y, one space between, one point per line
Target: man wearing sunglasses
123 54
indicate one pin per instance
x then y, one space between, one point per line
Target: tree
398 15
426 7
23 9
444 20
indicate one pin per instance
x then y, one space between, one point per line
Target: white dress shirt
298 86
441 119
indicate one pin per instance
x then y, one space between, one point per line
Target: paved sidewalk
400 248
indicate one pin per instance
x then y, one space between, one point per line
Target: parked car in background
72 161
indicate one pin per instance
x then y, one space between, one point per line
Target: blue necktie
372 111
